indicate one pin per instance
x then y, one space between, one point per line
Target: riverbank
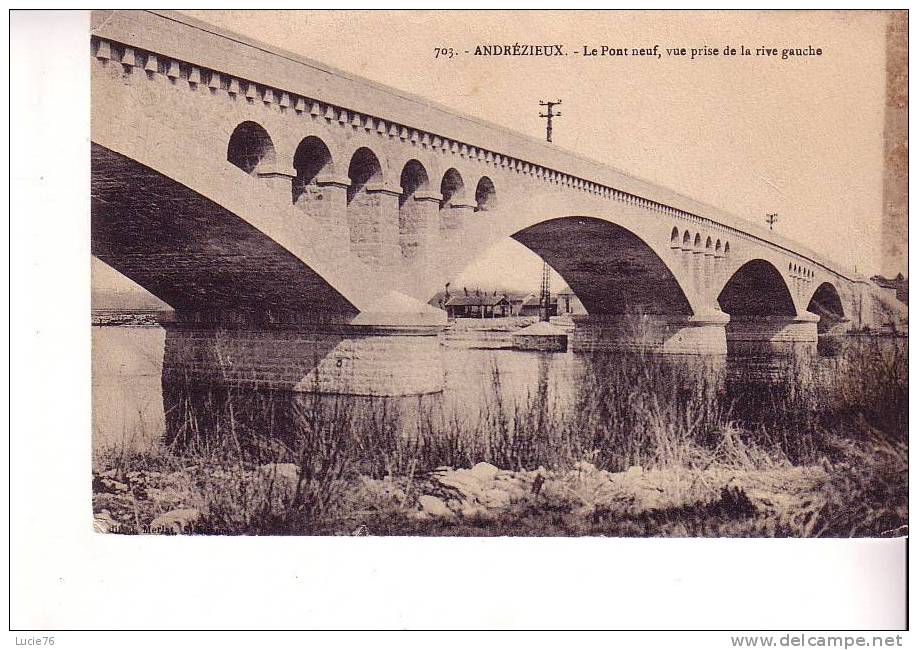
645 447
487 501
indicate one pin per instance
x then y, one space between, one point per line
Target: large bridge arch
757 288
610 268
765 319
196 253
826 303
826 299
517 215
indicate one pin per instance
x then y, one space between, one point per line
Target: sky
802 137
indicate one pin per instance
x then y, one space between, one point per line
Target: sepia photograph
347 320
327 304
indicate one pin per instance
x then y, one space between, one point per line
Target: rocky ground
481 500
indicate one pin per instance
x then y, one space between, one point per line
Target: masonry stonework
231 179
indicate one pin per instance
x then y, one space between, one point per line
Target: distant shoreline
129 317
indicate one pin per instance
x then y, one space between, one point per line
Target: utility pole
770 219
549 114
545 293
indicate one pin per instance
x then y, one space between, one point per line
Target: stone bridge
249 186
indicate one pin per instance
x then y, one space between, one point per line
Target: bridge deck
182 37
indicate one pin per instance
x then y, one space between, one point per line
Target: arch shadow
311 159
195 254
485 195
250 148
757 288
763 317
609 268
452 188
827 304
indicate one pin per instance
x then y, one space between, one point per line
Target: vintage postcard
418 273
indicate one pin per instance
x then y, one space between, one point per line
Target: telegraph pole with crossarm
549 113
770 219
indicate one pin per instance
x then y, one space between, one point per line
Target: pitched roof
488 300
518 296
534 300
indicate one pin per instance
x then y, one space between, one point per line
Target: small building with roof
569 303
531 306
478 305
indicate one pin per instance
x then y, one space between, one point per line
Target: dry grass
631 410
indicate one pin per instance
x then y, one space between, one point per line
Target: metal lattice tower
545 292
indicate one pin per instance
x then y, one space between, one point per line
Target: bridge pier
453 217
326 202
392 352
374 225
653 333
277 178
421 231
392 349
768 335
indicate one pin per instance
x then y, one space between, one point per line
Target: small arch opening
413 178
452 188
311 159
363 210
250 148
363 170
485 196
411 212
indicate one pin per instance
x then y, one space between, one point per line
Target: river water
129 409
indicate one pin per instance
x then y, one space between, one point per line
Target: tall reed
848 413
